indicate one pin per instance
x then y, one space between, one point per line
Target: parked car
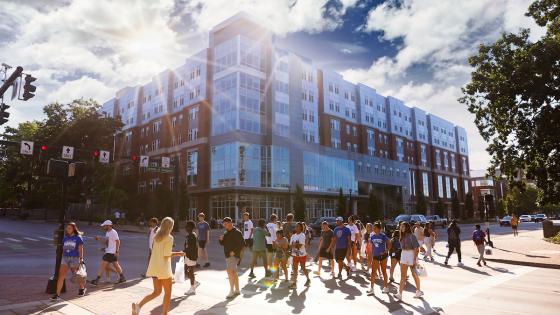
437 220
316 225
390 226
525 218
505 221
533 217
540 217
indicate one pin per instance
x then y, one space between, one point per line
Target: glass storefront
328 174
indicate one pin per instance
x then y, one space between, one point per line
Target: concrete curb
523 263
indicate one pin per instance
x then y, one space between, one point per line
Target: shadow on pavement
526 255
216 309
350 291
297 300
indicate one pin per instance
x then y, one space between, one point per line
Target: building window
192 167
412 183
448 186
440 186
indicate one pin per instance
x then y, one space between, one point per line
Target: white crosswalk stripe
12 239
31 239
46 238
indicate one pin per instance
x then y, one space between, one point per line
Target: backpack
478 236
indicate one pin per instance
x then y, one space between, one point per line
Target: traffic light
4 114
95 154
134 158
44 148
28 88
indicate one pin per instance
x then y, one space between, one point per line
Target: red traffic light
44 148
96 153
133 157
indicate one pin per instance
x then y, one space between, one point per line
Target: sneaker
339 276
478 264
55 297
317 273
446 262
94 282
206 265
236 293
484 261
348 271
398 296
385 290
460 264
371 291
191 291
333 274
418 294
82 292
121 279
231 295
293 285
391 279
252 275
195 285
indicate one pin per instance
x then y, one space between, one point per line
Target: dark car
390 226
316 226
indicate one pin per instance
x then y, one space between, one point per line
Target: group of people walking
278 246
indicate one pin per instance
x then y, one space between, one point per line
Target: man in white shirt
111 252
153 224
354 238
271 229
247 233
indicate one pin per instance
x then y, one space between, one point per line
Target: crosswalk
43 239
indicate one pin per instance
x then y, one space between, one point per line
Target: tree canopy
515 95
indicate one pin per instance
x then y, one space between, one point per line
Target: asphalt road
26 248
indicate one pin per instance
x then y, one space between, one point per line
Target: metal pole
51 287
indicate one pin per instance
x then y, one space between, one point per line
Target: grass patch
554 239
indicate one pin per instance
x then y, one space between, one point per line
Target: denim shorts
70 261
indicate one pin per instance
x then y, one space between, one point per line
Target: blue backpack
478 236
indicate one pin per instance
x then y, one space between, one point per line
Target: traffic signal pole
51 286
10 80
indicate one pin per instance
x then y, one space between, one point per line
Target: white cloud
438 35
280 16
86 87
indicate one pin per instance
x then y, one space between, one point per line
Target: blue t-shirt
202 228
341 233
379 242
70 245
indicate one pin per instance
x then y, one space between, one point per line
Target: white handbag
421 270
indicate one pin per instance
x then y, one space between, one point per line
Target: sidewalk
527 249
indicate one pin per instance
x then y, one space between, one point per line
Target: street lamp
486 219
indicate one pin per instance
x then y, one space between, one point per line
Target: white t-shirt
301 239
153 232
247 227
354 230
272 227
117 215
112 237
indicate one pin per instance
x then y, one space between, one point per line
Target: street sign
165 161
144 161
104 156
26 147
67 152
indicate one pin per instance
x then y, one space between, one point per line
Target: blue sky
414 50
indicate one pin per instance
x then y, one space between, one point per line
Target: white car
525 218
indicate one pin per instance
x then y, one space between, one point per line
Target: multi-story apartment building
245 122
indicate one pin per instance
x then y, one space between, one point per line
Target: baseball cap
339 219
107 222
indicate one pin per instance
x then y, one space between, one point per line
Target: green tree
520 201
299 204
421 205
341 204
373 207
77 124
500 208
455 207
440 208
469 208
514 95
